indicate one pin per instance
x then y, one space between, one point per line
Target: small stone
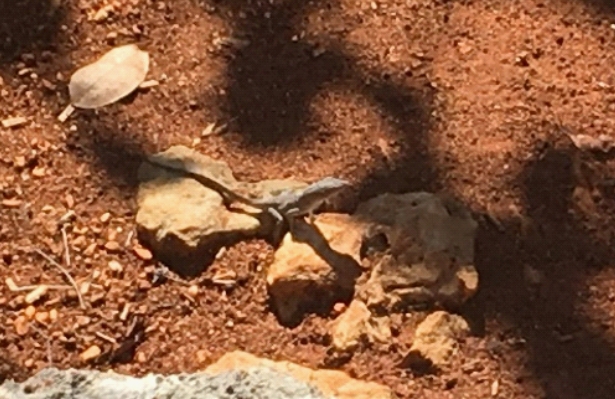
112 246
30 312
89 251
91 353
84 288
29 363
101 15
38 172
14 122
193 291
19 161
111 36
115 266
69 201
339 307
12 203
141 358
36 294
42 317
21 325
53 315
149 84
143 253
105 217
10 284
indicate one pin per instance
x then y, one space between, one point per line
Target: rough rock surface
428 255
436 339
357 325
315 263
184 222
255 383
331 383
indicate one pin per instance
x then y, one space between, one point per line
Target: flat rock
332 383
436 340
424 246
185 223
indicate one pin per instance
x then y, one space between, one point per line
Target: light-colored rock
183 221
315 264
255 383
429 251
436 339
357 325
332 383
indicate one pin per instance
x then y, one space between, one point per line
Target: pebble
11 203
112 246
115 266
10 284
21 325
30 312
92 352
143 253
89 251
193 290
141 358
70 201
38 172
28 363
53 315
36 294
42 317
14 122
105 217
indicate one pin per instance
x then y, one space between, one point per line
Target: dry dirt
472 97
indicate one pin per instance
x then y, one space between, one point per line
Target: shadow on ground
28 26
564 350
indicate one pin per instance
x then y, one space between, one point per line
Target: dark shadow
564 351
274 76
28 26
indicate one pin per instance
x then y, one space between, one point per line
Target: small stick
66 274
51 287
106 337
66 249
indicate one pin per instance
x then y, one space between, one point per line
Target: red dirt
473 97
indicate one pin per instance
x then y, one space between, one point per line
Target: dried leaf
113 76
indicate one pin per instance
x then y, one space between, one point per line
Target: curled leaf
113 76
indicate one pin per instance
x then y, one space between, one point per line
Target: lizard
287 205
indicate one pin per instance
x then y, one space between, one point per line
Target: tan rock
180 218
331 383
436 339
428 252
90 353
315 263
357 324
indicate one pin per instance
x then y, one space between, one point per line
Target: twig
66 274
31 287
66 250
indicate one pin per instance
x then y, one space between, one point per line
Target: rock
425 251
315 267
436 340
185 223
36 294
236 375
357 324
332 383
90 353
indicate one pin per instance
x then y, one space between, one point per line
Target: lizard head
332 185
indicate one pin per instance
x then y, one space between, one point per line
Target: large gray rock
254 383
